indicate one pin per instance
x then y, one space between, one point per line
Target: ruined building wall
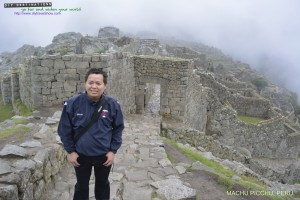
6 89
196 104
172 75
51 79
216 110
26 84
15 86
249 106
256 107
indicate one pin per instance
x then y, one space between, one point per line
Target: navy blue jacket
103 136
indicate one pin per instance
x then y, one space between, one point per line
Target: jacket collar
92 101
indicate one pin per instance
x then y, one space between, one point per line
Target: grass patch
6 111
225 175
23 110
197 157
155 195
14 130
297 181
172 160
247 119
63 51
226 182
21 121
297 195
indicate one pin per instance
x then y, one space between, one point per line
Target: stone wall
25 177
216 111
172 75
15 87
196 104
249 106
149 91
198 139
265 140
51 79
6 89
26 84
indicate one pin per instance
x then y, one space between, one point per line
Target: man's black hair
97 71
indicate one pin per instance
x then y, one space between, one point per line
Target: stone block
36 78
9 192
67 77
82 78
70 86
87 58
57 85
104 58
82 72
54 71
71 71
35 62
39 189
76 58
164 101
80 87
96 65
95 58
76 65
119 55
47 78
41 70
59 64
52 57
47 63
13 151
46 91
66 58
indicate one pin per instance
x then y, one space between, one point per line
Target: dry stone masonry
189 92
171 74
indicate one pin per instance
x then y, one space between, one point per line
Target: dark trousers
83 174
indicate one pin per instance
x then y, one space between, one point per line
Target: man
97 146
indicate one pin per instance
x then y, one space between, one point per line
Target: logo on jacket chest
104 113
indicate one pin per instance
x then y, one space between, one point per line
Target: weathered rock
4 167
13 151
174 189
50 121
44 133
180 169
8 192
132 191
31 144
106 32
165 162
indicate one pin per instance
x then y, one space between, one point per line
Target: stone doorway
171 74
152 99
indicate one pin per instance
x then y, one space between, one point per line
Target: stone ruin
205 103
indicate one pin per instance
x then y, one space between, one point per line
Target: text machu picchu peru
198 124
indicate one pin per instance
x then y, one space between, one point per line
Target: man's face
95 86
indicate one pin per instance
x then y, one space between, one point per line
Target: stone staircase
141 170
37 168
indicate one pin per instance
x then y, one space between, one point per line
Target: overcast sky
253 31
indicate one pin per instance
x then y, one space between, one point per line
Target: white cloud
246 29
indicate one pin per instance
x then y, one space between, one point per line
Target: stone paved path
141 170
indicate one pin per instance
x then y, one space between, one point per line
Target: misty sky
254 31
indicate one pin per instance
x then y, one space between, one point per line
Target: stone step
141 169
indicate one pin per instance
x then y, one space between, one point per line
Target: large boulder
108 31
64 43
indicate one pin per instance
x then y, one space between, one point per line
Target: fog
263 33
